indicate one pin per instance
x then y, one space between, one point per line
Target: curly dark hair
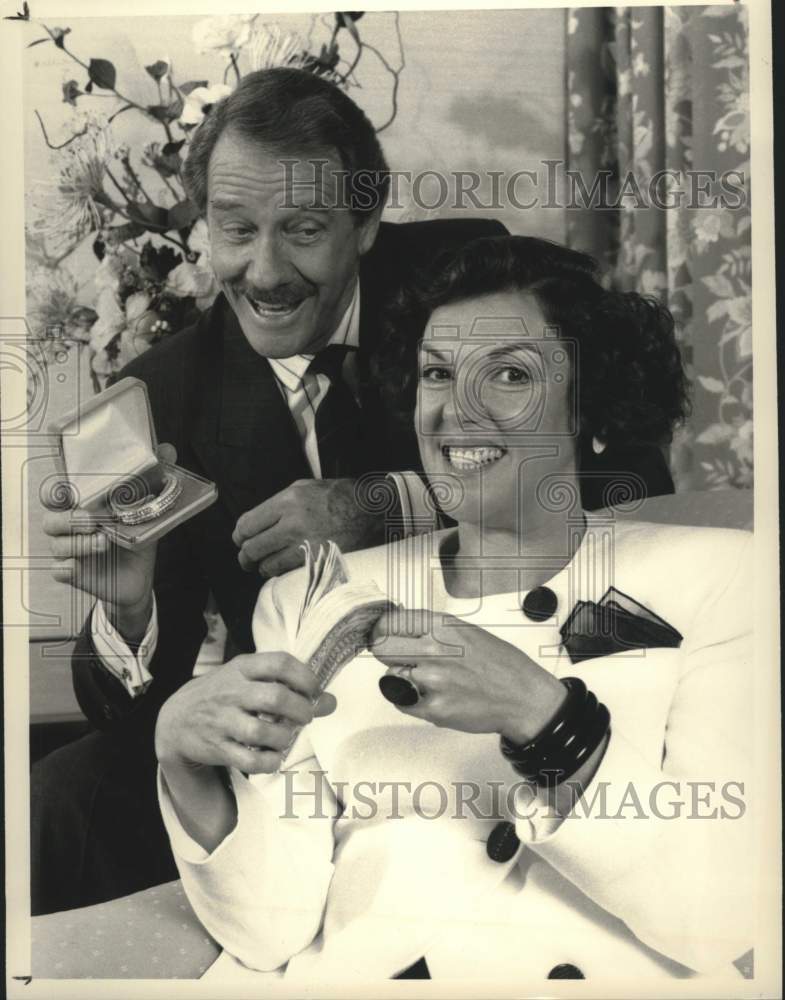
293 111
630 377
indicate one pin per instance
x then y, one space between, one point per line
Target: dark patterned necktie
338 417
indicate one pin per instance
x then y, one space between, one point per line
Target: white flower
199 102
53 309
740 310
193 279
225 35
136 305
270 46
73 206
652 282
742 442
131 346
577 139
639 65
109 271
706 228
740 316
203 276
111 320
199 241
102 366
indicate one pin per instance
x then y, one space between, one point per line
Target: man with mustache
272 396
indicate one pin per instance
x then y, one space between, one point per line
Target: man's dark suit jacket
218 403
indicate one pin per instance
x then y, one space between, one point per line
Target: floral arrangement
153 272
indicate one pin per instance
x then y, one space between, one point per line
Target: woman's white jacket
369 850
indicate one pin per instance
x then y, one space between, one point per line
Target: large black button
566 971
398 690
540 604
502 843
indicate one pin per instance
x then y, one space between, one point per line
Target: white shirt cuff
536 818
128 667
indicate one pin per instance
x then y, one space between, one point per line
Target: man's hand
213 720
269 536
87 560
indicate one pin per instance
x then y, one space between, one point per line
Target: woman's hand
240 715
467 678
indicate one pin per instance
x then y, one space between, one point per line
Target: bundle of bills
336 615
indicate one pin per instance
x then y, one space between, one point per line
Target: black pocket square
615 624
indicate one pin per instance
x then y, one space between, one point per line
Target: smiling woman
502 401
538 665
524 352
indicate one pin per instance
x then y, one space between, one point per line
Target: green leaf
38 41
152 217
157 262
186 88
715 434
102 73
717 310
328 58
172 147
158 111
711 384
719 285
183 214
128 231
168 166
158 69
166 112
176 107
21 15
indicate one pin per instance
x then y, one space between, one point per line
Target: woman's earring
597 446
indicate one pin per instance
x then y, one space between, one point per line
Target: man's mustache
284 295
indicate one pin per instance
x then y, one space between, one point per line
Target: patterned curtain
658 122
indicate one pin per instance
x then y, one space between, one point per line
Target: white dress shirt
304 392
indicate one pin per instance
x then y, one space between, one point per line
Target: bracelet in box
148 507
570 738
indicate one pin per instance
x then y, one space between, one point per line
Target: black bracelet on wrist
570 738
560 726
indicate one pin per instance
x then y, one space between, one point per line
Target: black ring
398 690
